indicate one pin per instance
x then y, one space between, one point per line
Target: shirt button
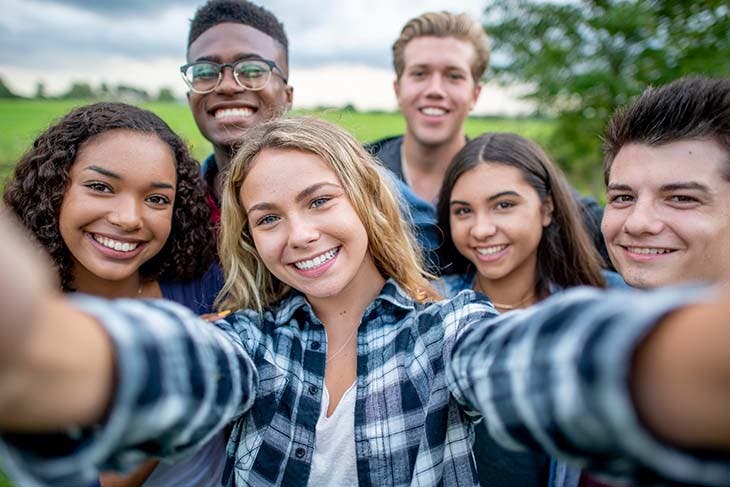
300 452
313 389
315 345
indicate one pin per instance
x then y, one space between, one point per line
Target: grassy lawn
22 120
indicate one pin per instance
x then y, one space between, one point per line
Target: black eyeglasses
253 74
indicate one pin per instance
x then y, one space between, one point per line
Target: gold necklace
342 348
500 306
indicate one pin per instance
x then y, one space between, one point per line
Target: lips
115 247
318 261
649 250
114 244
229 113
433 111
491 250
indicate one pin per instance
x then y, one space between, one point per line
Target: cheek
459 231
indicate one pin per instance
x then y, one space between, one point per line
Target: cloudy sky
339 49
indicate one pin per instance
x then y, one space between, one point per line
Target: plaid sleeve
179 380
555 377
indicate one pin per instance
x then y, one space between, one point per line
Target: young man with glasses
237 71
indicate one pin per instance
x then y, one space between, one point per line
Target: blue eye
318 202
267 220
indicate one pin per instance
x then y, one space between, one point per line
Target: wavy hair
249 284
566 255
36 189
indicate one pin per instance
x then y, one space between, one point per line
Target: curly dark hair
36 189
238 12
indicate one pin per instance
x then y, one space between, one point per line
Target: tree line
82 90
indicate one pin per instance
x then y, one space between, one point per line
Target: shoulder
384 144
199 293
387 150
614 280
451 284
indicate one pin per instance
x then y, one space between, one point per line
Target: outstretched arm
149 377
55 361
627 384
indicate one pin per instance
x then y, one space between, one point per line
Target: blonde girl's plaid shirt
423 372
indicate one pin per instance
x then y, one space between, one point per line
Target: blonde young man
439 59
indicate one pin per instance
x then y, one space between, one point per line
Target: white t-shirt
333 461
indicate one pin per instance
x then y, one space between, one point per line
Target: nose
483 227
126 214
228 83
435 86
302 232
643 219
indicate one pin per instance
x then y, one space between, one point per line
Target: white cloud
340 50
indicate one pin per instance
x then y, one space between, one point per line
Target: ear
547 211
396 90
289 94
475 95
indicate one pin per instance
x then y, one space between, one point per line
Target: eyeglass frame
271 64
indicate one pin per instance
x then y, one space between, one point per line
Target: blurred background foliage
580 60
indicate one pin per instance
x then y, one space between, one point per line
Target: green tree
582 59
5 91
40 91
165 94
79 91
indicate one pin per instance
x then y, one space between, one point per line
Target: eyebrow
239 57
491 198
113 175
306 192
689 185
303 195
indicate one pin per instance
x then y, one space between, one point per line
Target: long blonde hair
249 284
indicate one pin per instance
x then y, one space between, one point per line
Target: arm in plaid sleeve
556 377
179 380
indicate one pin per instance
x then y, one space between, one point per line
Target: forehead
486 179
270 177
228 41
127 152
439 51
641 165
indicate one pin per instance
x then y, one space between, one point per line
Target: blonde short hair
249 284
444 24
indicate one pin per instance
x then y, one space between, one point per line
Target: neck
132 287
516 290
424 166
341 312
222 157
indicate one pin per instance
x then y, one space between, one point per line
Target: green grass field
22 120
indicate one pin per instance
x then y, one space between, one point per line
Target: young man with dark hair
439 60
237 72
667 171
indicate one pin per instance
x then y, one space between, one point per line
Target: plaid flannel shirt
422 369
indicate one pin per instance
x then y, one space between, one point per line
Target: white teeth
434 111
115 244
233 112
648 250
317 261
491 250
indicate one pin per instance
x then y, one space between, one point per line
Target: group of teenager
394 314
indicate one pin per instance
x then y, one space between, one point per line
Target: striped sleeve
555 378
179 380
